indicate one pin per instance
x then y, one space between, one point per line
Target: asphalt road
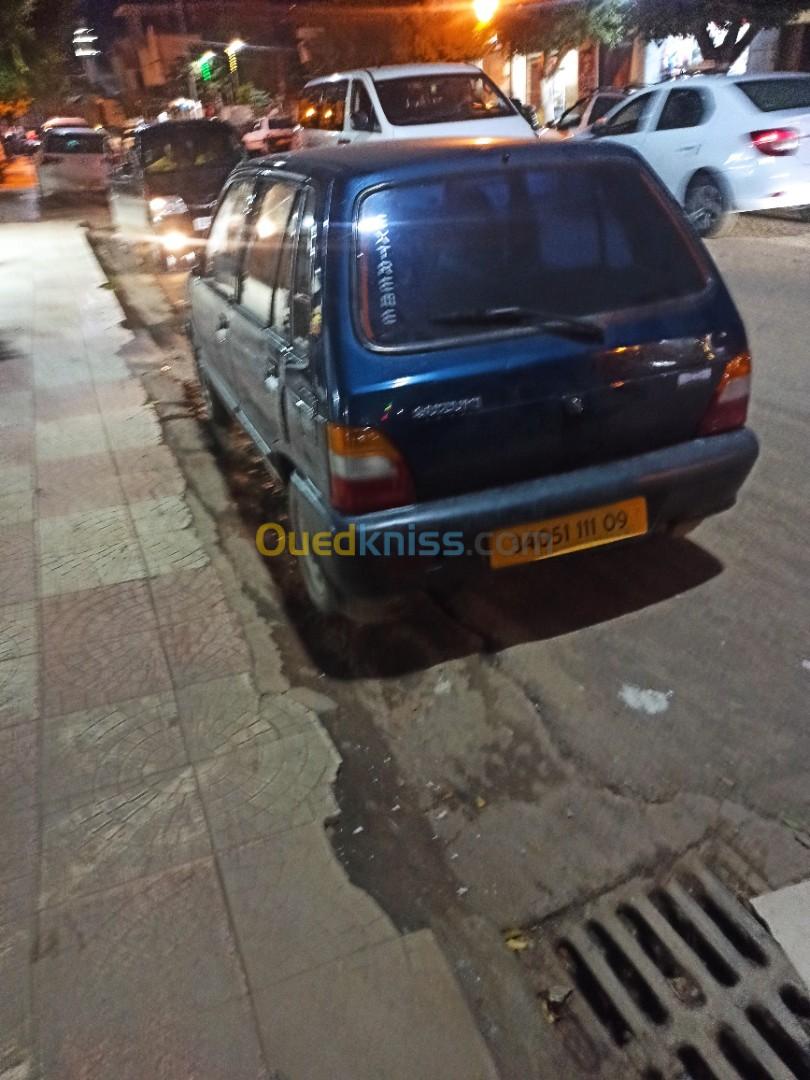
519 747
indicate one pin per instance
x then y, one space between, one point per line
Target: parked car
269 135
72 161
478 345
722 144
164 190
579 116
405 101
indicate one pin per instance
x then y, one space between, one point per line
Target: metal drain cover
672 977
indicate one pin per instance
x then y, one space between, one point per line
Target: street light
231 49
235 46
485 10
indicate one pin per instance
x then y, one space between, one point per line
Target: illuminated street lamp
231 49
485 10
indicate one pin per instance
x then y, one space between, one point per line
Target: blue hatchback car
491 350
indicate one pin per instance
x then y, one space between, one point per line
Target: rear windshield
167 149
439 99
773 95
565 240
78 143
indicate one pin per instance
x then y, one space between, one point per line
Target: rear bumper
680 483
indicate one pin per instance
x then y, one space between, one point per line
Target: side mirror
361 121
599 128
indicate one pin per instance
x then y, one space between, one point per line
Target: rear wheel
707 207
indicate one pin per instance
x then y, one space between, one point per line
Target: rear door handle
344 142
688 149
222 329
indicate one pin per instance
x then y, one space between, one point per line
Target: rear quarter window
774 95
91 143
574 240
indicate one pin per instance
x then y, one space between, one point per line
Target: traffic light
205 71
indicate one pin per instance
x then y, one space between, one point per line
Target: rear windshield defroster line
578 241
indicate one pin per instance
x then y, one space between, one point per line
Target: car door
303 386
214 289
674 145
361 122
628 125
260 330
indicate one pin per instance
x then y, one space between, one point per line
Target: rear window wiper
563 325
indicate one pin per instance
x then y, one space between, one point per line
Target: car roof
377 161
71 130
399 71
163 125
719 79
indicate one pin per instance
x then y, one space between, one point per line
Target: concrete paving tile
71 571
85 530
18 848
91 491
17 409
70 437
97 615
59 402
139 459
120 394
167 551
72 473
392 1011
19 779
188 595
111 746
161 995
17 564
16 447
16 374
57 372
16 508
170 513
15 479
96 671
19 693
133 427
18 630
207 649
96 840
16 900
16 1049
225 714
294 908
268 786
105 367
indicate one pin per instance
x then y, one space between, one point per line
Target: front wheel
707 208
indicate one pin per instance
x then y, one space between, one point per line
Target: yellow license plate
571 532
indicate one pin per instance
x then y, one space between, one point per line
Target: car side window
333 107
263 250
306 304
282 294
223 250
602 105
361 108
684 108
628 119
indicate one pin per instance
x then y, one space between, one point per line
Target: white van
73 161
405 101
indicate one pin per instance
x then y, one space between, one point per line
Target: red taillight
367 472
776 142
729 407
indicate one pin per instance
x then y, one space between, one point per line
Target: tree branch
740 46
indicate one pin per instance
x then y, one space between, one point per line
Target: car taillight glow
367 471
776 142
729 406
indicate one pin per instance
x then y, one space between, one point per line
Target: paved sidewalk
170 906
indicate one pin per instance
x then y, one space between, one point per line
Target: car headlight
164 205
174 241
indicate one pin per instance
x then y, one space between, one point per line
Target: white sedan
73 161
722 144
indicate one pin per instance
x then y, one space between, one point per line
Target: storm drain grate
676 978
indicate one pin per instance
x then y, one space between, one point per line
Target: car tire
707 208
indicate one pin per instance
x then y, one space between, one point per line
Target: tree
34 52
553 29
740 19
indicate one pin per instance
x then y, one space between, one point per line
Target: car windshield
773 95
74 143
172 148
440 99
568 241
